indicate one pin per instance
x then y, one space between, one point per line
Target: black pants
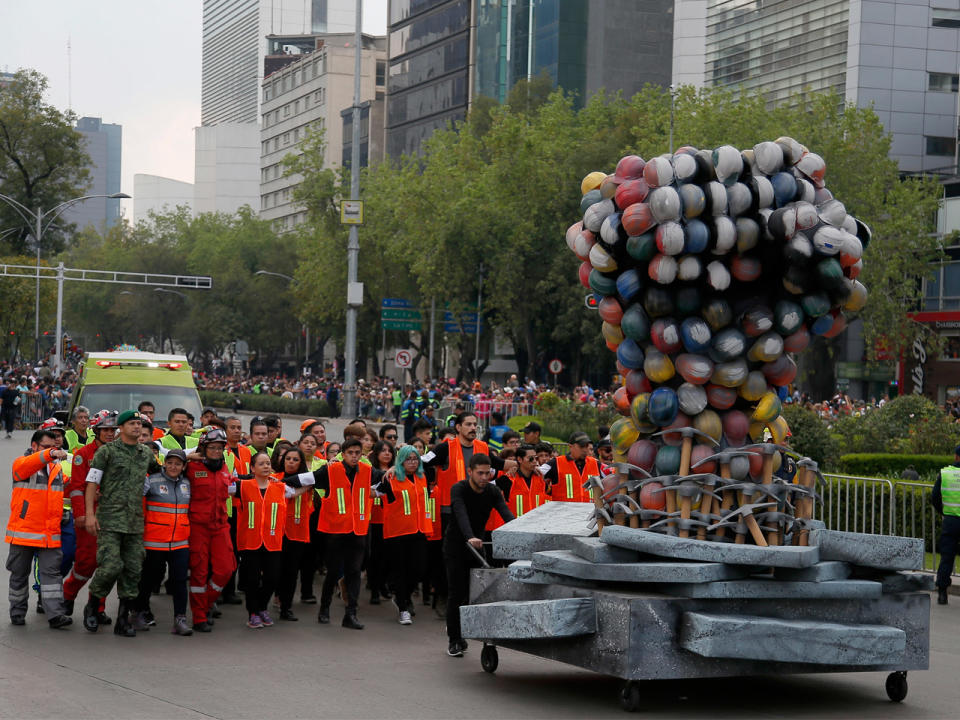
230 589
259 575
459 561
293 552
435 574
405 556
9 417
377 559
949 539
313 556
344 552
154 566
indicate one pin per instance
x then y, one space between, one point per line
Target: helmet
104 420
52 424
213 435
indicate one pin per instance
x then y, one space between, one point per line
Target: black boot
323 617
68 607
350 620
941 596
90 612
123 627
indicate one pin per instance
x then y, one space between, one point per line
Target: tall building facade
103 143
154 193
311 92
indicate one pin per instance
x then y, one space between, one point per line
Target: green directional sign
401 324
400 314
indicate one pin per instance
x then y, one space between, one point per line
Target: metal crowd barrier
31 409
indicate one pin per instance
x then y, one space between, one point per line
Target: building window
381 72
266 94
943 146
951 347
943 82
296 135
286 138
943 18
296 110
286 110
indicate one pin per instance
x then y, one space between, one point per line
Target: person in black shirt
471 501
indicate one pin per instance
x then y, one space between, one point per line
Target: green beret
128 415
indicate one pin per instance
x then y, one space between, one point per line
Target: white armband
543 469
232 488
306 479
428 457
94 475
288 492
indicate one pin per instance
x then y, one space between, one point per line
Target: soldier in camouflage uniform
118 470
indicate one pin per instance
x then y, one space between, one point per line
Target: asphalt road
390 671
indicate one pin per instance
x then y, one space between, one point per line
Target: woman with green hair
406 520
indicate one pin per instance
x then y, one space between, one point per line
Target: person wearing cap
605 450
116 475
212 559
104 429
274 431
566 474
166 533
207 415
946 500
531 433
178 433
33 529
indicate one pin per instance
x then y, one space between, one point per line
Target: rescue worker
116 474
237 457
179 431
946 500
389 433
409 415
531 433
274 431
605 450
258 436
313 557
147 411
78 434
166 533
471 500
397 398
104 429
33 529
522 488
494 435
345 518
405 525
296 531
566 474
261 516
211 550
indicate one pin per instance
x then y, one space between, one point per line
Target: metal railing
31 409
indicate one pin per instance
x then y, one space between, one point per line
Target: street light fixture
306 328
275 274
171 292
37 219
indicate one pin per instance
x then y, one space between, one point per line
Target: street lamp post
36 219
306 328
169 292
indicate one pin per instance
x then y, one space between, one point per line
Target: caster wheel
489 659
630 696
897 686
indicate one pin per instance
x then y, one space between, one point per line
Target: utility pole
353 244
476 354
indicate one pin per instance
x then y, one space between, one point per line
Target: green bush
266 404
890 465
910 424
810 435
560 418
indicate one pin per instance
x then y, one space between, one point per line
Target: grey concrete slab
564 562
905 581
549 527
523 571
821 572
595 550
750 637
755 589
887 552
529 620
708 551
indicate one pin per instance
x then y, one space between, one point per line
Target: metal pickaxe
684 524
686 445
687 488
594 484
600 519
667 481
808 472
724 459
746 513
632 485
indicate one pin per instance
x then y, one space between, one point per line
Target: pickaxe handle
727 497
754 528
686 450
686 507
706 505
635 519
805 507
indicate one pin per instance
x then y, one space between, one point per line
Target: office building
226 167
103 144
310 92
154 193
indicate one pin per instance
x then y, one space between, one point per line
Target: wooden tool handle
754 529
686 506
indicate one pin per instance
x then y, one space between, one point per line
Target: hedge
890 465
266 403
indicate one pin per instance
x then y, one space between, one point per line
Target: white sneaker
405 618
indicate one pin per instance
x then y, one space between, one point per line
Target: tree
18 300
42 160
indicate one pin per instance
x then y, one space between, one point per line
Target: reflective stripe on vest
406 501
950 490
518 505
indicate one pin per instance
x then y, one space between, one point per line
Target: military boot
122 626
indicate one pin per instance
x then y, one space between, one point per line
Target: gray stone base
764 589
821 572
887 552
744 637
523 571
530 619
595 550
552 526
565 563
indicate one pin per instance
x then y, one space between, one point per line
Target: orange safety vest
299 509
346 509
36 503
456 471
409 512
569 486
241 459
260 518
166 508
521 499
433 499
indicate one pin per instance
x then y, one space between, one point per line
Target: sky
133 62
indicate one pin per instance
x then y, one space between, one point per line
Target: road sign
555 366
591 302
400 314
395 303
464 322
403 359
401 325
351 212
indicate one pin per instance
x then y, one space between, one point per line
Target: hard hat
213 435
52 424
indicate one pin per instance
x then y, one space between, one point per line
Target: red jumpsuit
211 550
85 561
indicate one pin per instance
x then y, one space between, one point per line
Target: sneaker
405 618
308 599
138 621
17 619
231 600
463 644
203 627
68 607
454 649
350 621
215 611
255 622
323 617
288 615
941 596
60 621
266 619
149 618
180 626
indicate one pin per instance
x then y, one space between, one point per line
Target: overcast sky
134 62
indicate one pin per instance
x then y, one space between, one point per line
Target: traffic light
591 301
